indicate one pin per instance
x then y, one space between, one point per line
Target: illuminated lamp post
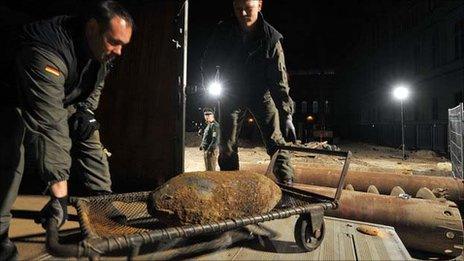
401 93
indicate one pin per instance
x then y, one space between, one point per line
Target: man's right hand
56 208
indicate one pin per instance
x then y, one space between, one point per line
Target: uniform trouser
90 164
90 168
267 118
210 160
12 134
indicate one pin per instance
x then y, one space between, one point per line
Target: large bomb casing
211 196
447 187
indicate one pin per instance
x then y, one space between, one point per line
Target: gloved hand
290 133
82 124
56 208
201 148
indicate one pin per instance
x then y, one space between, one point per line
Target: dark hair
104 11
207 111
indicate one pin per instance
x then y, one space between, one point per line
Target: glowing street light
401 93
215 89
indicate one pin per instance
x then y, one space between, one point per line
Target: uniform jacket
252 67
53 69
211 136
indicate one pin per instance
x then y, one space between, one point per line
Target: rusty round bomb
211 196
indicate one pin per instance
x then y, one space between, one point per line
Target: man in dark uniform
210 139
56 70
249 54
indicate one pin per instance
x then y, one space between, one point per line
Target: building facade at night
417 43
314 92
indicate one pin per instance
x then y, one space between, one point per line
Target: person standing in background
210 140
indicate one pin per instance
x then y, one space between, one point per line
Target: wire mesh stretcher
121 222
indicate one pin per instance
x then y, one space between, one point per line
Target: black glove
82 124
290 133
57 209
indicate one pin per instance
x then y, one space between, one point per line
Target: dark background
343 58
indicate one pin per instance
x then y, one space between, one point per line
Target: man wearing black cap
210 139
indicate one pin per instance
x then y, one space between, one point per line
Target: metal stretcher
120 222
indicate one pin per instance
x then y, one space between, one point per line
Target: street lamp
215 90
401 93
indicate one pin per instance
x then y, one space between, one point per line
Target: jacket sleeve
93 100
41 79
204 142
214 137
278 82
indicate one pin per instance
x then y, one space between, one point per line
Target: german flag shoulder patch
52 70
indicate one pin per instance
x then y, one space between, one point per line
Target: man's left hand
290 133
83 124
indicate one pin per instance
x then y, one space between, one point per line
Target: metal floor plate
342 242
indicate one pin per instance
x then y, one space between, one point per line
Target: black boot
8 250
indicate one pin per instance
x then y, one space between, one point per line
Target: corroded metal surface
211 196
449 188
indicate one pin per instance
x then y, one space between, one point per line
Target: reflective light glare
215 89
250 120
310 118
401 92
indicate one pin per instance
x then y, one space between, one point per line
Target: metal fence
455 132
